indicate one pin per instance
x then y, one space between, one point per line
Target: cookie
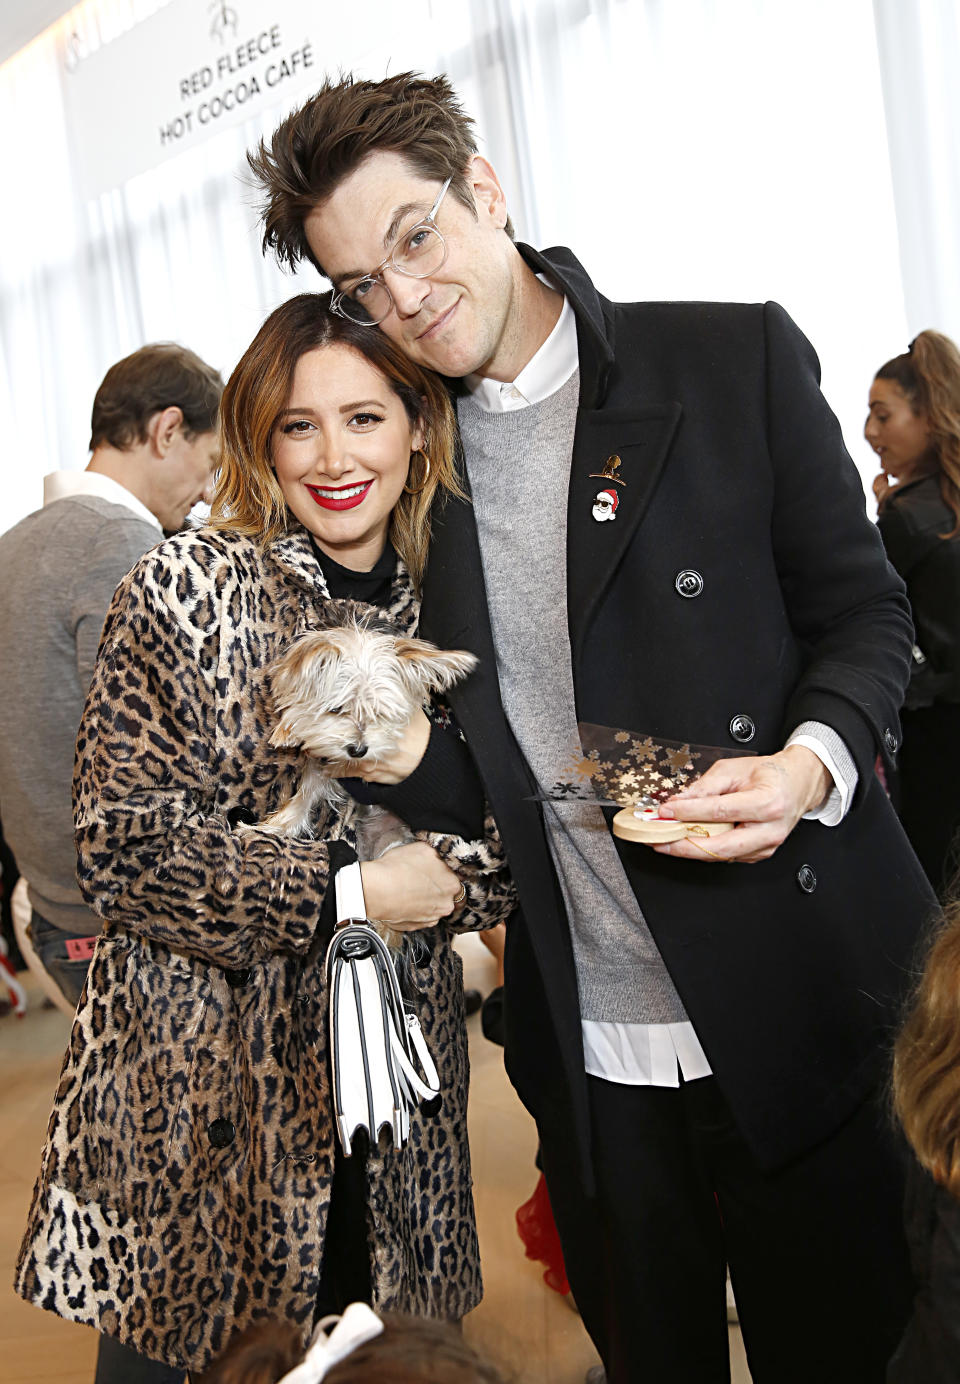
654 831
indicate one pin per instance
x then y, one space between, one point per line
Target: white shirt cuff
833 754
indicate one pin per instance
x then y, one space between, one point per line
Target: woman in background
914 427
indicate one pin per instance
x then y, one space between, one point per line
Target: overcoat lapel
641 439
454 601
454 614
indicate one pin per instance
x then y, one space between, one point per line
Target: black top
444 792
912 523
344 584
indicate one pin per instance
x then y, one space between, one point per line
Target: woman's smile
340 496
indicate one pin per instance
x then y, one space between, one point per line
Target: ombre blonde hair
926 1066
248 497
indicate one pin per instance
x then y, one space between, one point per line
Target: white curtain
702 149
724 149
919 43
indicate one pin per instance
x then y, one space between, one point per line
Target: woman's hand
405 758
881 487
409 887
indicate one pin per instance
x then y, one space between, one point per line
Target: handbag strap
375 1045
348 887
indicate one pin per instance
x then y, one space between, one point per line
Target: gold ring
460 895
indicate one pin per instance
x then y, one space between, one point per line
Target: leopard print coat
185 1180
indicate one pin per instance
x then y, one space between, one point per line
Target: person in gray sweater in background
153 454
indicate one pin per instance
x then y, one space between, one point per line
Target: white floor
522 1324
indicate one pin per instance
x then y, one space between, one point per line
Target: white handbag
380 1063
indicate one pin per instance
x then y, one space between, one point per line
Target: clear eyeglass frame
345 304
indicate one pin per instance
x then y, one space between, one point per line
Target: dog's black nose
356 751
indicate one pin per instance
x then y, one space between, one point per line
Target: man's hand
410 887
766 796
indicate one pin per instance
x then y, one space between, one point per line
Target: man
153 454
701 1046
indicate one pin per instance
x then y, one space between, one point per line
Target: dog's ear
435 668
290 674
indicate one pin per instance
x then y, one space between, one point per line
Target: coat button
890 740
221 1133
689 583
807 879
240 817
235 979
742 729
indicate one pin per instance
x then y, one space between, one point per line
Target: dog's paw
286 823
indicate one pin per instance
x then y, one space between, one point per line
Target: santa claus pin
605 505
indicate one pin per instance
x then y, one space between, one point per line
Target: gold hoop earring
426 474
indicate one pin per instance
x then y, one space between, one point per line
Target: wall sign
198 66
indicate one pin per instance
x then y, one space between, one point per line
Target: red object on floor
18 996
538 1231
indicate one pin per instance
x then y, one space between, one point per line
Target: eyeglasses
418 253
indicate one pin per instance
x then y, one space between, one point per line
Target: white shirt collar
542 376
60 485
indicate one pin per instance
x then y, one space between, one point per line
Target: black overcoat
791 970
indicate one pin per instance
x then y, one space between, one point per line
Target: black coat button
235 979
689 583
807 879
890 740
240 817
742 729
221 1133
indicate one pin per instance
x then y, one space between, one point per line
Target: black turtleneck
344 584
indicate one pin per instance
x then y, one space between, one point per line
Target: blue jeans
53 946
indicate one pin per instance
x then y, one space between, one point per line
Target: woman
185 1189
914 427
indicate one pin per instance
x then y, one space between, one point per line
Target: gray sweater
59 568
519 469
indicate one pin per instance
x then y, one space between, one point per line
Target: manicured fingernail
667 813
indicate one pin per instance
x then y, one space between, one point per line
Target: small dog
345 694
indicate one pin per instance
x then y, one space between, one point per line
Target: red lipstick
340 496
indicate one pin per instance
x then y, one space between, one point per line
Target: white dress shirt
62 485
